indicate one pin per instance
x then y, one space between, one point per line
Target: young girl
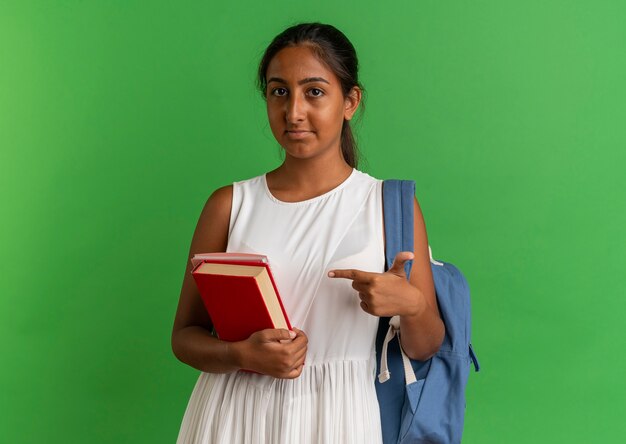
320 222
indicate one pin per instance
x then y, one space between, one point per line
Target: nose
296 109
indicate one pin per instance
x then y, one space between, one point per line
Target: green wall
119 118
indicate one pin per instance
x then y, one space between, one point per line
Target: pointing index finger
355 275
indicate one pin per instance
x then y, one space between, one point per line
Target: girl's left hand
385 294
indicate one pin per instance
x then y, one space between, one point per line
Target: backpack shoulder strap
398 198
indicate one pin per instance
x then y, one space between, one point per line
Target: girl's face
305 104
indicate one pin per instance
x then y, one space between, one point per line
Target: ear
351 102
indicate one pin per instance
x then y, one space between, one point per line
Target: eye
316 92
275 90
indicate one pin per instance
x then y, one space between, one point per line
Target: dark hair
333 49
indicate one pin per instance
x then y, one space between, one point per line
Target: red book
239 293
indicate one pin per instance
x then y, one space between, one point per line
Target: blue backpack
422 401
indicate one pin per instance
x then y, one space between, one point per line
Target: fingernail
292 334
331 274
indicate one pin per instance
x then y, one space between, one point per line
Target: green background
119 118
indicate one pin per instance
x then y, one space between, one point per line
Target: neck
298 171
299 179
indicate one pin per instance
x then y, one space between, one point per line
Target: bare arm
192 341
275 352
422 332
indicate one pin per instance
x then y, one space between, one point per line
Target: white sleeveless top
333 400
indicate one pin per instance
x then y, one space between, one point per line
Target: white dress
333 400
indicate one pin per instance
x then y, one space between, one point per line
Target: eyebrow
300 82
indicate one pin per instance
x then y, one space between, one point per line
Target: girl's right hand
275 352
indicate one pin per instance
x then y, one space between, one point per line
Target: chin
299 154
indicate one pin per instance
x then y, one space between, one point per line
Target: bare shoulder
220 201
212 230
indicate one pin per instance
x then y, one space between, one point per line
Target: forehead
298 62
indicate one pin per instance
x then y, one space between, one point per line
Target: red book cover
241 297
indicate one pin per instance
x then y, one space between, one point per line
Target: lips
298 134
